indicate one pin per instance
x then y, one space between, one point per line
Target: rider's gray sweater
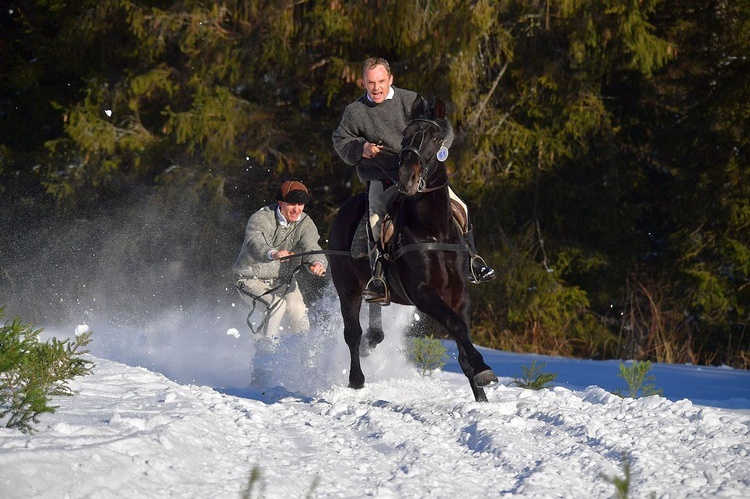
264 233
364 121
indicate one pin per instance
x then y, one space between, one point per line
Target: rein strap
407 248
316 252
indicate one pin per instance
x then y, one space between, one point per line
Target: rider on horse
369 136
426 259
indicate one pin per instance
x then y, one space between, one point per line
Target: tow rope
285 281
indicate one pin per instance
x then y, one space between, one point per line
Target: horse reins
407 248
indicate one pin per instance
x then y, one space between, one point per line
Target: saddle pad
359 242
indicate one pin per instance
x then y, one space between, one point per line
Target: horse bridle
425 173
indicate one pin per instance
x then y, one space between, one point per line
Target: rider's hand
281 254
317 268
371 150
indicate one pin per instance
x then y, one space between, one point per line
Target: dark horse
427 260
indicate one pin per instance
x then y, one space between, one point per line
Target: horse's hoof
356 386
375 337
485 378
369 342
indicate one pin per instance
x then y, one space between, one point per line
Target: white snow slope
132 432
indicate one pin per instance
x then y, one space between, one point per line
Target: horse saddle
360 242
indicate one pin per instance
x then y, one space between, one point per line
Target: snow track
131 432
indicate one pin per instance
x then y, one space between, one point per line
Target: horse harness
282 282
420 135
414 146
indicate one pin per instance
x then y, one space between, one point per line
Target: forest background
602 147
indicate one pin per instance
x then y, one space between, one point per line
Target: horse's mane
426 108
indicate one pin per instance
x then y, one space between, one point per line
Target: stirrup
372 297
486 274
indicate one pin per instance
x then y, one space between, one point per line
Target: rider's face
377 82
291 211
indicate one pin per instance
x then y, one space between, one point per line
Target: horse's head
420 169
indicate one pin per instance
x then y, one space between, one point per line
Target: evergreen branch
483 103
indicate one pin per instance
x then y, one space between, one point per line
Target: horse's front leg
480 378
476 381
353 336
471 361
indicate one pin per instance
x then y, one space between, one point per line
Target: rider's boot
479 270
376 290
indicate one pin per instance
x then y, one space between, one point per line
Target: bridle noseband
425 173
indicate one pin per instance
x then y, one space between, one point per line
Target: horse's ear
417 105
439 109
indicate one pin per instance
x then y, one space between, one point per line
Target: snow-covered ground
186 424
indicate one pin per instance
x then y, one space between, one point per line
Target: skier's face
291 211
